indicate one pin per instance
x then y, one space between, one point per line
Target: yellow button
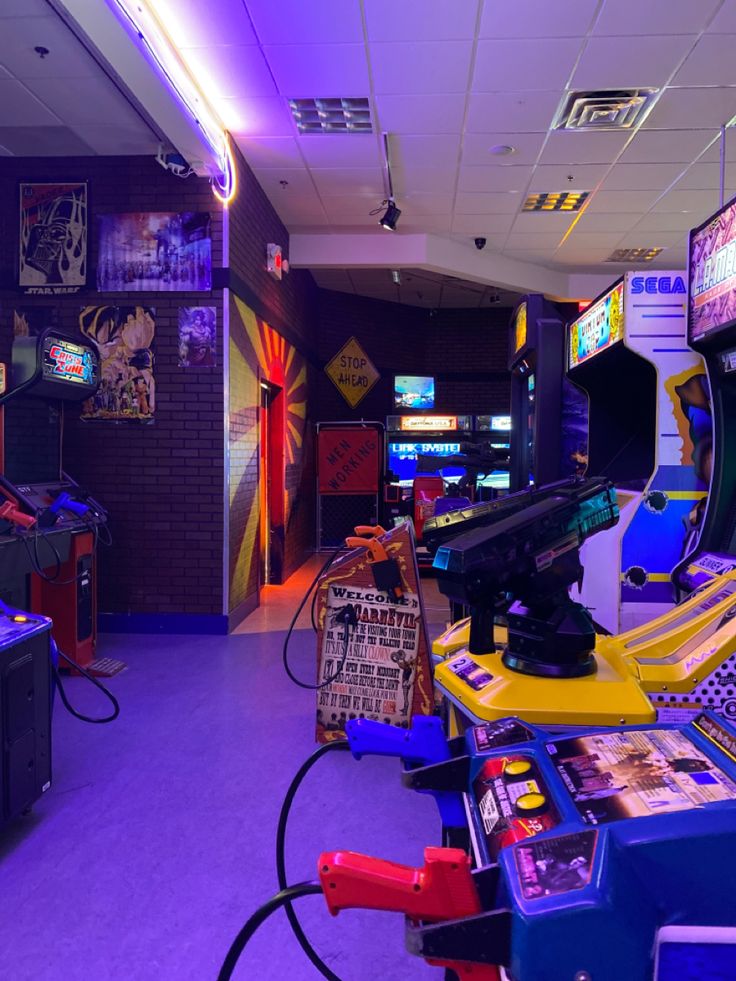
515 768
20 619
530 802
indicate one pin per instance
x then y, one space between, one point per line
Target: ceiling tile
724 21
277 153
642 176
486 225
705 176
665 146
292 211
556 177
543 222
654 16
77 102
657 221
350 180
297 22
43 141
419 20
340 149
256 116
590 240
432 179
187 28
426 223
697 202
18 107
705 65
631 202
426 204
24 8
540 63
529 255
299 182
413 151
230 71
305 71
533 240
426 114
489 179
67 58
627 62
513 112
468 203
692 108
605 221
476 148
637 239
422 68
351 204
582 148
529 18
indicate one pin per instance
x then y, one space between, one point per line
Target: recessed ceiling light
502 149
556 201
633 255
332 115
605 109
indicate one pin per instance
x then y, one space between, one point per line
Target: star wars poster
197 337
53 238
124 338
155 252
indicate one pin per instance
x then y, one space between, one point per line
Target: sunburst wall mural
258 353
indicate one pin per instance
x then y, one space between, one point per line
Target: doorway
272 484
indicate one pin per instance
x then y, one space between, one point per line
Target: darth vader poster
53 238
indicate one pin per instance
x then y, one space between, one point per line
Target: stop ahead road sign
352 372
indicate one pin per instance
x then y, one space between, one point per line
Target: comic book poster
53 237
386 674
31 321
124 338
155 252
197 337
635 773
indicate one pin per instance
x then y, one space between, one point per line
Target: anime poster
197 337
31 321
155 252
124 339
53 237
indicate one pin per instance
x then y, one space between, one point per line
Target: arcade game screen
402 459
531 412
413 392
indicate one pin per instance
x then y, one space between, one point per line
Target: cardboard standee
387 674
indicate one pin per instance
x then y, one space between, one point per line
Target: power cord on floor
65 700
260 916
347 616
281 854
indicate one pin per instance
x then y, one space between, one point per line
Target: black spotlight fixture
391 217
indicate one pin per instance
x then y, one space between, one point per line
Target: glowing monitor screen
413 392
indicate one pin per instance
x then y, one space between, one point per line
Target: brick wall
466 351
162 483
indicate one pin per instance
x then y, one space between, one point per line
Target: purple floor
156 840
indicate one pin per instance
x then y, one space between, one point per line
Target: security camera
480 243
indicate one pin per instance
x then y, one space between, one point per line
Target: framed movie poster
124 338
155 252
197 337
53 237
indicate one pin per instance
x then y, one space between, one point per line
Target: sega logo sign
658 284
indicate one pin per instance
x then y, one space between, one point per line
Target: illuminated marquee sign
520 331
428 424
713 274
67 362
601 326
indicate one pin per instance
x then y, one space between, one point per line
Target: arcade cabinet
51 523
547 412
712 332
628 354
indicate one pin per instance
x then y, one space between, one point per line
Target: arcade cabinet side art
387 674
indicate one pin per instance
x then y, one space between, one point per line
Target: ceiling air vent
555 201
633 255
605 109
331 115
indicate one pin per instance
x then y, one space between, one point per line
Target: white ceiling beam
440 255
